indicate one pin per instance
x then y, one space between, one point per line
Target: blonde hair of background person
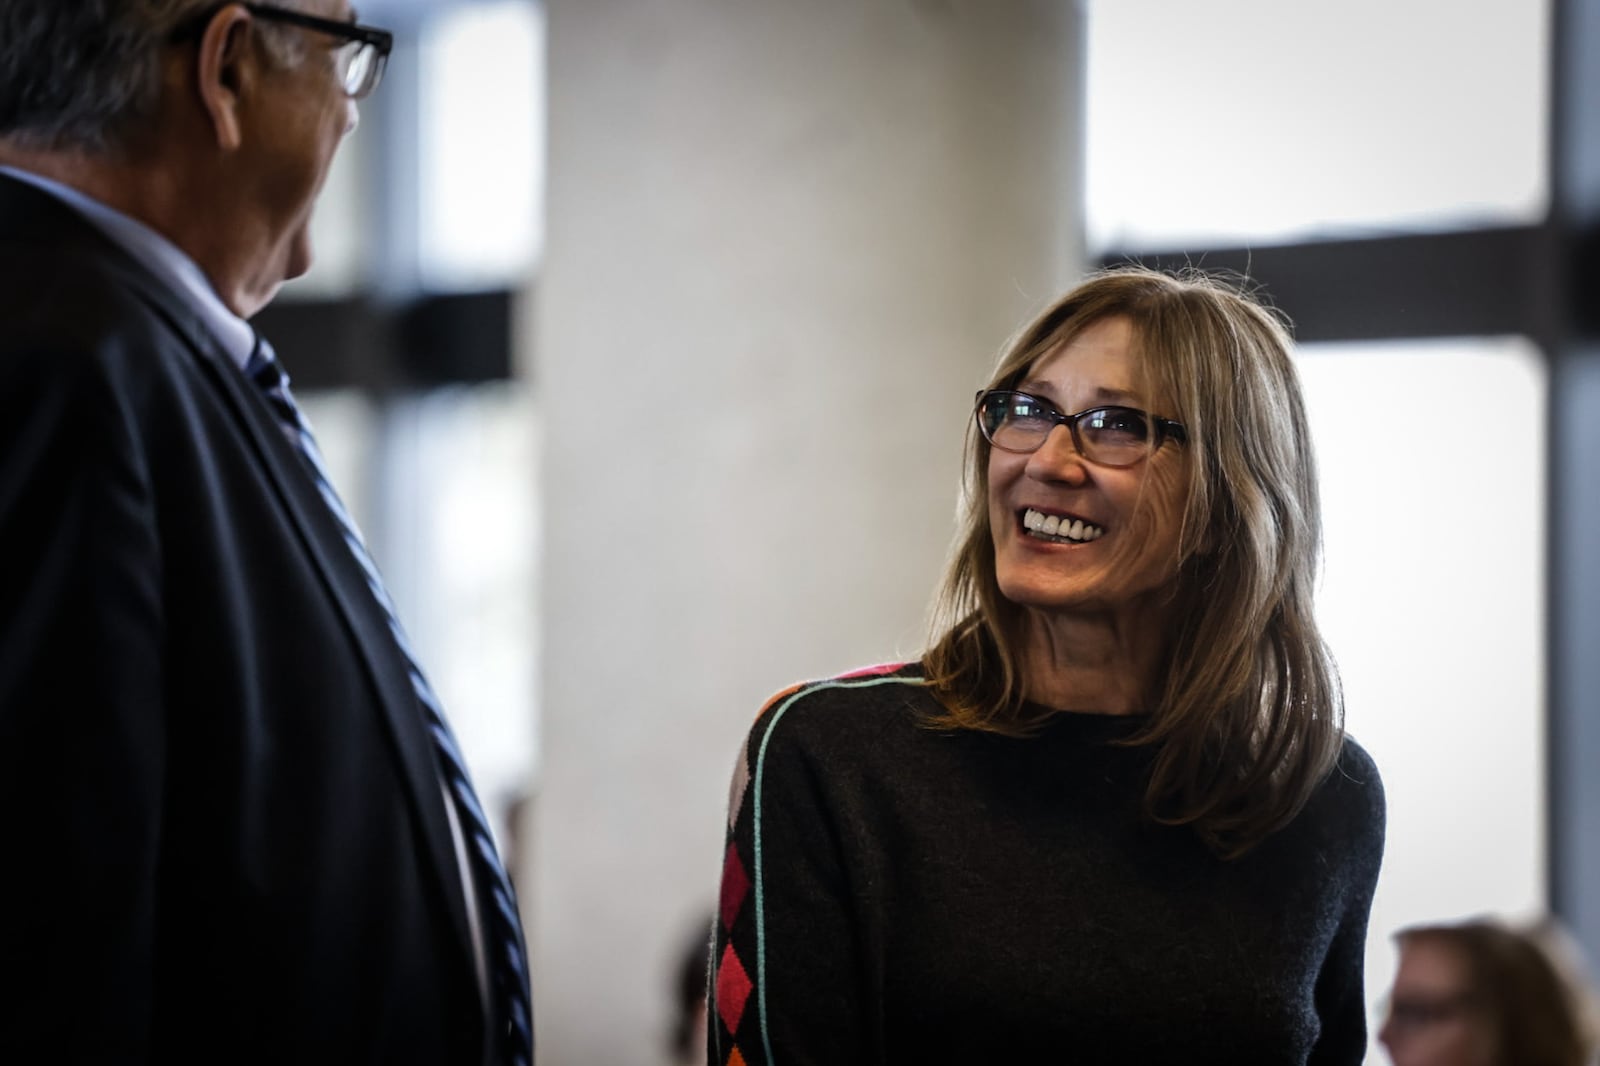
1481 993
1111 816
1249 685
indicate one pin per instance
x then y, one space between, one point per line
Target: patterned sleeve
784 975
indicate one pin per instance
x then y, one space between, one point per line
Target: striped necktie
507 962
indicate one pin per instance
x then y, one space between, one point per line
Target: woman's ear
225 73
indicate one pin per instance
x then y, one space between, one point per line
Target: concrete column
785 241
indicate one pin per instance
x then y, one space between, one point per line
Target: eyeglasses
1111 436
1418 1013
360 60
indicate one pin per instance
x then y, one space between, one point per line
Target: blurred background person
686 1042
1485 994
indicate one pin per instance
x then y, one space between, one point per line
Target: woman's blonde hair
1247 719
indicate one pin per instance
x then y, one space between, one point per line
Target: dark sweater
897 894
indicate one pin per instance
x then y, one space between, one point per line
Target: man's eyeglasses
361 59
1111 436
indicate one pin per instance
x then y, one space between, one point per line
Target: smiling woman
1086 520
1111 815
1197 593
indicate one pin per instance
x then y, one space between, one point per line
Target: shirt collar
161 257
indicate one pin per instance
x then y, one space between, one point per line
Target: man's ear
225 68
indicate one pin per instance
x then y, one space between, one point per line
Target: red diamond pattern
735 886
733 989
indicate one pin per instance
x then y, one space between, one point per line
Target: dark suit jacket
222 823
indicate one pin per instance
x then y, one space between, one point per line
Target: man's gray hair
86 74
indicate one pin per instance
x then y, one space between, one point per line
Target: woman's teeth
1050 527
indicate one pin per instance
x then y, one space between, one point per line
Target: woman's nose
1058 458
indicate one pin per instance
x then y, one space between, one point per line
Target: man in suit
235 825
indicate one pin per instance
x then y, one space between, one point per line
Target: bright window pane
1433 472
481 145
462 540
1258 120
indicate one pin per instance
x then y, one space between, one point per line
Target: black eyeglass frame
1162 428
380 40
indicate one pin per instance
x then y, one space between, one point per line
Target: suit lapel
28 214
386 669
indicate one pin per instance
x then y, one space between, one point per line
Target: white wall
784 241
